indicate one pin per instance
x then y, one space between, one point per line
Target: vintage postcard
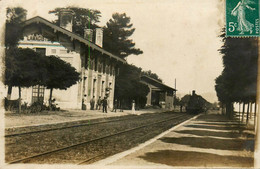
129 84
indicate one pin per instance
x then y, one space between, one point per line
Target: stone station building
97 67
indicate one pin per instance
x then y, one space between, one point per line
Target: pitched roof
72 35
155 82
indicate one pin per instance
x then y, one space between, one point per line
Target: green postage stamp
242 18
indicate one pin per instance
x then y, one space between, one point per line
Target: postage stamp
242 18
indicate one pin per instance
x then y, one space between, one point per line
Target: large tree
24 68
237 83
13 27
60 75
117 34
14 18
82 18
128 86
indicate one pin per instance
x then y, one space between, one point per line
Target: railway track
66 127
179 119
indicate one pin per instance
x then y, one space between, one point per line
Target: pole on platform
257 125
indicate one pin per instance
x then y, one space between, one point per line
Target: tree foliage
237 83
24 68
60 74
82 18
238 79
14 18
152 75
117 34
128 86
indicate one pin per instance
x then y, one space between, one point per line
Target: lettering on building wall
36 37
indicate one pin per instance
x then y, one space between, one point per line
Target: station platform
209 140
15 120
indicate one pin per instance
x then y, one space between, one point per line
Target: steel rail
137 139
66 127
90 141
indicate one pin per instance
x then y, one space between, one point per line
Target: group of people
100 102
104 104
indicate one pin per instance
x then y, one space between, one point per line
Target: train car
195 104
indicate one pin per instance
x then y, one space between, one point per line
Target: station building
159 94
97 67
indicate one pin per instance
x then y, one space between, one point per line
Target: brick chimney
88 34
99 37
66 19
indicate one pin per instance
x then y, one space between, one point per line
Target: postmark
242 18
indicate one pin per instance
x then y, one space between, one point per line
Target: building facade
159 94
97 67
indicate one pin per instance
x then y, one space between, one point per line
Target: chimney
193 92
88 34
99 37
66 19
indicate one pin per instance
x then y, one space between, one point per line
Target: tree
13 33
237 83
60 75
24 68
152 75
128 86
82 18
116 36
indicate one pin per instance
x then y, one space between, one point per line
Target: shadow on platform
196 159
214 127
209 133
214 143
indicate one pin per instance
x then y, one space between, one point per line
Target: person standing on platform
92 103
84 102
115 106
99 102
133 106
105 105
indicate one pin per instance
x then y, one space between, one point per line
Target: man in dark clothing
115 106
99 102
105 105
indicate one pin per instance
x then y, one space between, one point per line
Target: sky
179 38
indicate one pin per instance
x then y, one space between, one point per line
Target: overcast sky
179 38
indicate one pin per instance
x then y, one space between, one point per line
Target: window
38 94
96 63
94 86
102 89
104 67
41 50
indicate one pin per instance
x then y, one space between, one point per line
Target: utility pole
257 125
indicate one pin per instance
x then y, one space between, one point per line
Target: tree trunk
50 102
239 112
255 115
243 112
247 113
229 110
232 110
9 92
250 110
19 100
